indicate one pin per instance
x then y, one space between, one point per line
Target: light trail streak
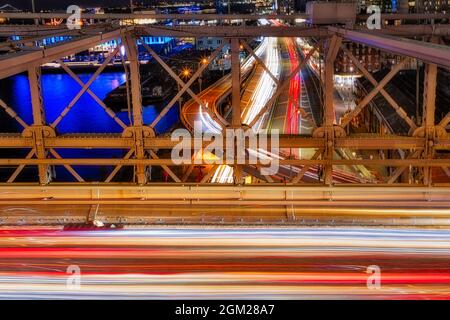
292 114
262 93
226 263
266 85
268 50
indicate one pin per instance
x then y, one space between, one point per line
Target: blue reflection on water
86 116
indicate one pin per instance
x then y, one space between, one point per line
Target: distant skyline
60 4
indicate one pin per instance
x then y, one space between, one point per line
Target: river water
86 116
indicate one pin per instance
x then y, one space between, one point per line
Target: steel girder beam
365 101
211 194
218 204
84 88
34 77
185 87
188 214
226 31
429 111
19 169
68 167
169 162
291 31
14 63
108 111
429 107
427 52
409 30
391 179
286 141
305 168
38 131
332 47
232 31
445 121
164 167
446 171
206 16
13 114
236 111
400 111
31 34
257 207
136 104
118 167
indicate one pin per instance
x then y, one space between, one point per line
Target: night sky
58 4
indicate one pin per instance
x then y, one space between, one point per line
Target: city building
239 6
300 5
431 6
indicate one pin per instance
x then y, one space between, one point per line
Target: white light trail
262 93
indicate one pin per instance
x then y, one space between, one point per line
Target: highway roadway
211 96
210 263
259 88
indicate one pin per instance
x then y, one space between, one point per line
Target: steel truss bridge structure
420 201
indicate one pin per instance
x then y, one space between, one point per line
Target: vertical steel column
328 120
236 97
136 102
429 105
33 9
430 95
34 76
131 6
332 49
418 120
236 83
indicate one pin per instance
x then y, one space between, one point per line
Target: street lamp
185 73
203 61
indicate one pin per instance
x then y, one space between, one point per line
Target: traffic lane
301 263
432 267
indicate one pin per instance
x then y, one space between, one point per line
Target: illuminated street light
186 72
